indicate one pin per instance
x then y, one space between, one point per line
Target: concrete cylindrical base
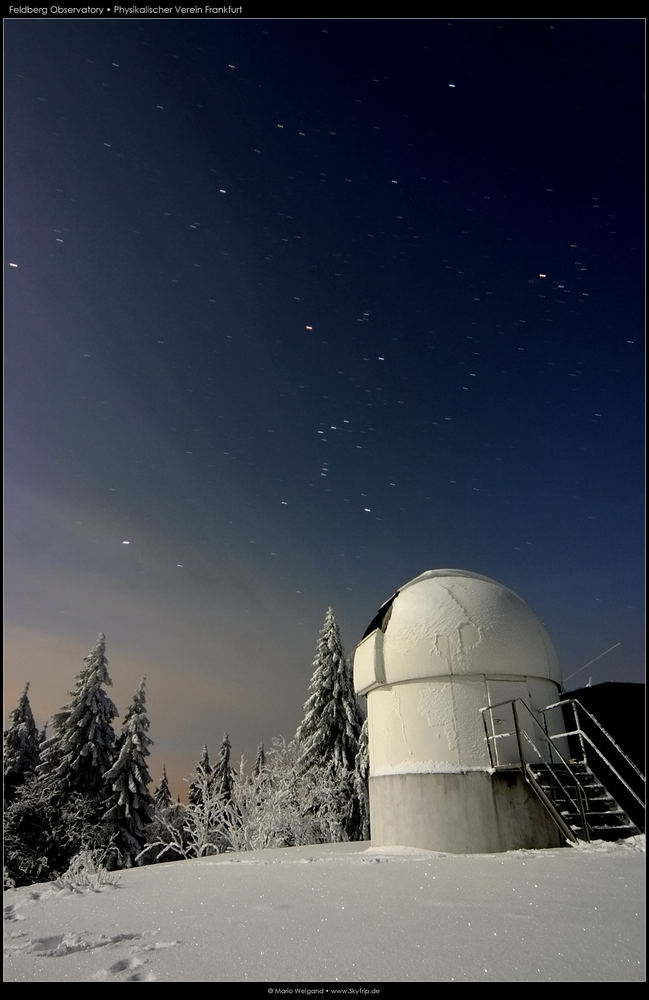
472 812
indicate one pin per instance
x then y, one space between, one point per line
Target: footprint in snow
67 944
124 964
130 964
144 977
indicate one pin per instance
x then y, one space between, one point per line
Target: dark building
620 709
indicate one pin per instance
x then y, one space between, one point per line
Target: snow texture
427 767
342 913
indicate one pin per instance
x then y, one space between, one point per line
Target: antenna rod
598 657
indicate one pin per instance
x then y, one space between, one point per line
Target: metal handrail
584 738
582 799
520 731
549 805
579 731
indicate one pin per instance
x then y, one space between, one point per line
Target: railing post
518 734
486 733
582 811
545 730
578 728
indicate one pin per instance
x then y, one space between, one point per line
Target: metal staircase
566 769
584 804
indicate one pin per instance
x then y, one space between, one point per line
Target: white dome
453 622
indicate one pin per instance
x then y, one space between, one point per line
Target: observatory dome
449 622
449 664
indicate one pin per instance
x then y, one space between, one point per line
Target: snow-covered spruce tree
131 807
162 797
327 737
260 778
21 747
199 779
223 777
57 813
260 761
82 749
223 774
361 783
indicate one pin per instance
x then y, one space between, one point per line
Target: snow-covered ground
342 913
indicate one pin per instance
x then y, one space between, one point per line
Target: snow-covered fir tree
260 761
131 807
21 747
259 776
361 783
57 812
199 779
328 735
162 796
223 775
82 749
222 785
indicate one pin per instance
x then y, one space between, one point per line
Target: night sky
297 310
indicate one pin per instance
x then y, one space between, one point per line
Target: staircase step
613 826
565 786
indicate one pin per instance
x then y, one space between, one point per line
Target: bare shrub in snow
277 806
87 871
195 831
274 806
